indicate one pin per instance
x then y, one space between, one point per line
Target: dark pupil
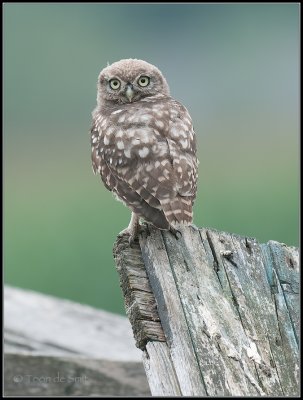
115 83
143 80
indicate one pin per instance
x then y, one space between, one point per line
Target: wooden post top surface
215 314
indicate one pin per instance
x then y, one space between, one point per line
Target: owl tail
178 210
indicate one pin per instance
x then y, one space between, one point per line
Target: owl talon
144 230
132 240
177 234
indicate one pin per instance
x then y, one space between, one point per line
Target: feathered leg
133 228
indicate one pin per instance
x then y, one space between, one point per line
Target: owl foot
135 229
144 229
132 230
177 234
133 238
140 230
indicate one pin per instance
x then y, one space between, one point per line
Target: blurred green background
234 66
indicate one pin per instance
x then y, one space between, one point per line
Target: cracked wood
224 309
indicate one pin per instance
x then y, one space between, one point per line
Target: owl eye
114 84
143 81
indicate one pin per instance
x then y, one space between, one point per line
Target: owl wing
181 141
182 148
118 176
151 168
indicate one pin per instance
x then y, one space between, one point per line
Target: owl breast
132 133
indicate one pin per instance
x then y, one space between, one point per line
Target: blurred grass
236 69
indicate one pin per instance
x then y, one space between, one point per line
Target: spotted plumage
143 145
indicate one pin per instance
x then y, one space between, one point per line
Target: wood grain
226 310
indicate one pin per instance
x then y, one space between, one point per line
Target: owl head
128 81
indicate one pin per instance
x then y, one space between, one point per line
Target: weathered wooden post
215 314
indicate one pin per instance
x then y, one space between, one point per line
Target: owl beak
129 92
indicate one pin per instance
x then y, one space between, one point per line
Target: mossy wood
215 314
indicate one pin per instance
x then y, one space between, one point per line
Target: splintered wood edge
140 303
280 262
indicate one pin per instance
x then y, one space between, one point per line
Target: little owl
144 145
